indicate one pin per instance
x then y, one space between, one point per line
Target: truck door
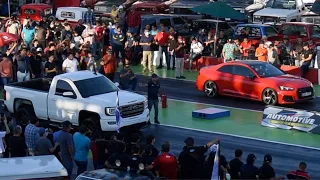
62 107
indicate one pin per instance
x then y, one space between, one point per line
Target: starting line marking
232 135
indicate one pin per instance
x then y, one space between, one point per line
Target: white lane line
243 137
243 109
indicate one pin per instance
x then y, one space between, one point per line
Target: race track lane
285 157
187 91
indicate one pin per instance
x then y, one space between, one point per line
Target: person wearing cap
249 171
109 64
228 51
127 77
44 145
301 173
153 96
28 34
306 58
122 14
166 164
285 51
266 171
235 164
89 17
67 149
6 70
36 63
296 52
192 158
261 52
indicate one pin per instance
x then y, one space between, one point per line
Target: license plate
306 94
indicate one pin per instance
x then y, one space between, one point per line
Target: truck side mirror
69 94
116 84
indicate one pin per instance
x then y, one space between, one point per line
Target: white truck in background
279 11
83 98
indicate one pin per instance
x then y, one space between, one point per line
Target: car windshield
282 4
95 86
316 31
266 70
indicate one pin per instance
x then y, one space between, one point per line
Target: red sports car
254 80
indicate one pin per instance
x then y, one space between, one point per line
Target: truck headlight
110 111
285 88
146 104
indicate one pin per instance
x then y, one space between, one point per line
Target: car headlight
146 104
285 88
110 111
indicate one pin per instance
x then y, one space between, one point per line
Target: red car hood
290 81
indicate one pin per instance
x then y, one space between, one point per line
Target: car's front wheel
211 89
269 97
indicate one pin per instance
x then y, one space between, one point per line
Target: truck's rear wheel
92 123
24 114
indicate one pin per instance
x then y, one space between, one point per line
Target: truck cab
36 12
279 11
83 98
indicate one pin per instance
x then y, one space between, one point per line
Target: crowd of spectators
131 152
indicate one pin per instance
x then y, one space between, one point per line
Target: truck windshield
282 4
95 86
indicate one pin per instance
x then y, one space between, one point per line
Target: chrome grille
132 110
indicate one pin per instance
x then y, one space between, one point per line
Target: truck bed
41 84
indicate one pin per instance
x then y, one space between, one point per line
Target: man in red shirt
300 173
133 21
100 38
162 39
166 164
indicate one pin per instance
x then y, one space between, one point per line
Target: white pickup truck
83 98
279 11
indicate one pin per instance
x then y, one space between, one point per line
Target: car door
224 79
61 108
245 82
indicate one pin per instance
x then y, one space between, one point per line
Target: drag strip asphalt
285 157
187 91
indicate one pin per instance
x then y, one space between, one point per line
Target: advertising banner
291 119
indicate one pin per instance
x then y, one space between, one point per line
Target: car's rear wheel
211 89
269 97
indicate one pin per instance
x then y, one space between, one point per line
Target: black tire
269 96
211 89
92 123
24 114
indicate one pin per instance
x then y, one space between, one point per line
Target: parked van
169 20
72 14
32 167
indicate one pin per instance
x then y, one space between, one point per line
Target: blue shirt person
82 146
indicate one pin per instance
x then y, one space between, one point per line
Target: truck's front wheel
92 123
24 114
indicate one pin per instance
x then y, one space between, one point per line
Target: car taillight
4 95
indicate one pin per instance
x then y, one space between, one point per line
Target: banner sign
291 119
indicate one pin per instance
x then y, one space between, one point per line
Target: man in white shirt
14 27
195 51
2 135
70 64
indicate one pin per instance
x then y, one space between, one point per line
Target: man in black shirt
266 171
135 159
80 27
135 140
17 145
153 94
191 159
236 164
50 67
119 159
249 171
130 45
118 45
306 59
150 141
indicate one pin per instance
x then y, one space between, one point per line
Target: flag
216 164
118 115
